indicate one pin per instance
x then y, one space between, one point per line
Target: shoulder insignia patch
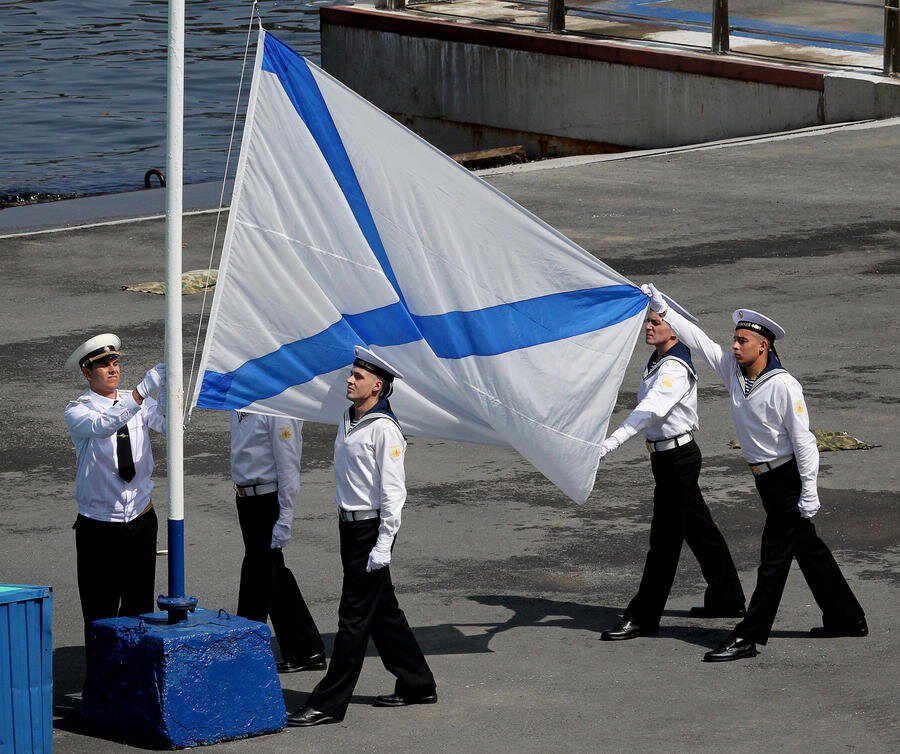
285 433
667 382
798 407
395 451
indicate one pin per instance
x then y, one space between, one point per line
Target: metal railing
721 28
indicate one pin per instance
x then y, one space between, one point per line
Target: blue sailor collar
773 368
381 410
679 352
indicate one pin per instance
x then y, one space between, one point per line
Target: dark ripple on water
83 89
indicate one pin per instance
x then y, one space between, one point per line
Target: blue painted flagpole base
208 678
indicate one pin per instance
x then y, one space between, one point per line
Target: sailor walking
265 468
370 489
772 426
667 415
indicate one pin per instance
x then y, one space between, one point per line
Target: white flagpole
176 603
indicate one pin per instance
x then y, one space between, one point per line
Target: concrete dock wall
465 87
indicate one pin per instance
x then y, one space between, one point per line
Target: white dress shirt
667 402
268 449
772 421
368 470
93 421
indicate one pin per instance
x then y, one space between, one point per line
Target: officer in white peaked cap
115 532
370 489
772 425
667 416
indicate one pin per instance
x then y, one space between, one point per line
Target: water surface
83 88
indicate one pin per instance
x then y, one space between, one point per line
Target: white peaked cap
100 346
751 320
371 359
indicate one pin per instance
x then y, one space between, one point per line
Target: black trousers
268 588
681 515
116 567
787 535
368 608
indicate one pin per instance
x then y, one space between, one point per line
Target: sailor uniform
772 425
115 532
370 490
667 414
265 468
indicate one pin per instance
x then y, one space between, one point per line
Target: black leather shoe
716 612
734 648
626 629
399 700
307 716
860 628
316 662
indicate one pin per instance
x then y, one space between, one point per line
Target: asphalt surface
507 583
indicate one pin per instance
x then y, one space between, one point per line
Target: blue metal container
26 668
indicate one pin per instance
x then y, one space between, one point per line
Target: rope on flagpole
254 11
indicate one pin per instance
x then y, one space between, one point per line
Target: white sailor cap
679 308
747 319
373 363
94 349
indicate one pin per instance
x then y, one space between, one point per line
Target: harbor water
83 89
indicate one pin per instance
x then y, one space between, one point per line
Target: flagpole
176 603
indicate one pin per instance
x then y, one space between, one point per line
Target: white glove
609 445
152 382
281 535
657 302
809 508
379 557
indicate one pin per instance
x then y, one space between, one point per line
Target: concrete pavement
506 582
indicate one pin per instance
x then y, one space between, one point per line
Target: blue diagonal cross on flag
347 229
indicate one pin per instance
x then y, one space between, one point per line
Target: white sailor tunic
369 470
771 420
667 399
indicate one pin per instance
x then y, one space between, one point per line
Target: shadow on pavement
68 678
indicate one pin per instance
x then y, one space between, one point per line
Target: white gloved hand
609 445
657 302
379 557
281 535
152 382
809 506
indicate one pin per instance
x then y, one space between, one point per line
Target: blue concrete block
210 678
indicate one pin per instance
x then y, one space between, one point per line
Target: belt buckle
756 470
241 492
649 446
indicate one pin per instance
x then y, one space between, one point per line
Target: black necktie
123 451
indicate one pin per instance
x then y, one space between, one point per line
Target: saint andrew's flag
347 229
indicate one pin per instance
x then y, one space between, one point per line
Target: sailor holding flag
772 425
667 415
370 484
